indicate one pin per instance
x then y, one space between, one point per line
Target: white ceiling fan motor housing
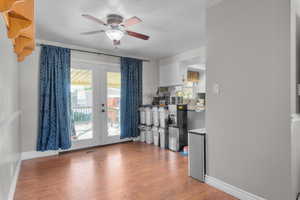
113 19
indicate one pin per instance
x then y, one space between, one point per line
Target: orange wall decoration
19 16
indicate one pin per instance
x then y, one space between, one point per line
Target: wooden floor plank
130 171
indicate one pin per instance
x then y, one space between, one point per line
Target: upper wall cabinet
173 70
170 74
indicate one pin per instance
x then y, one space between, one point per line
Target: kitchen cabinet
176 74
173 69
171 74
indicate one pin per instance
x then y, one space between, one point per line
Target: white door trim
99 97
96 140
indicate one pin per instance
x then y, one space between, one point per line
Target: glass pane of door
82 101
113 102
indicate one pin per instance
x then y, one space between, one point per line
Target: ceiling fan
116 27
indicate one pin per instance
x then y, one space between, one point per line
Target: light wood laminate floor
128 171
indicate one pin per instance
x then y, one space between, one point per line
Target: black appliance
178 134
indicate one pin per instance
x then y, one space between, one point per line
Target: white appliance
148 111
155 114
163 117
142 133
142 115
173 138
155 135
149 135
164 138
197 154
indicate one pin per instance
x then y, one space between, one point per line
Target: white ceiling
174 26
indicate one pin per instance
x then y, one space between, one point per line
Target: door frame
108 139
96 140
100 133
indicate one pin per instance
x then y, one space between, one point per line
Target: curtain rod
94 52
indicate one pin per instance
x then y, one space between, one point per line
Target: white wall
248 124
29 89
9 113
29 74
295 125
294 40
199 54
150 80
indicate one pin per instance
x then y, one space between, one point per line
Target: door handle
103 108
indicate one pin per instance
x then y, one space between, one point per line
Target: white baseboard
136 139
36 154
230 189
13 184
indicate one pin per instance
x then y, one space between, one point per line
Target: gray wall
29 91
9 113
295 126
248 124
29 100
150 80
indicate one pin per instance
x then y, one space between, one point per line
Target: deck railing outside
82 114
82 119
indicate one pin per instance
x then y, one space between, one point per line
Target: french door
95 100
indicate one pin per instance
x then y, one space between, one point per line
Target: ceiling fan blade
92 32
132 21
95 19
138 35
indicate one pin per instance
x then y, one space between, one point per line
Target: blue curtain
54 99
131 96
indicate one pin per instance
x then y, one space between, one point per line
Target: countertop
200 131
200 111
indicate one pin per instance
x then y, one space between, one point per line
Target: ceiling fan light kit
114 33
116 27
